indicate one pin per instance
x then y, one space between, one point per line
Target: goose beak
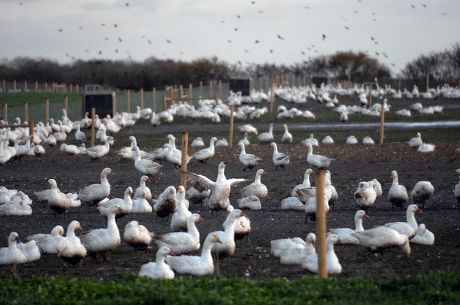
418 210
58 253
366 215
201 219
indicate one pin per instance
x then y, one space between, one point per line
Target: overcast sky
272 31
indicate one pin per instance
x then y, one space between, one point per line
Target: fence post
25 85
220 89
181 92
142 98
154 99
36 86
14 86
164 102
321 224
26 111
47 109
382 121
201 89
66 102
129 100
5 111
230 134
183 162
272 98
46 86
114 103
32 131
4 86
190 94
93 125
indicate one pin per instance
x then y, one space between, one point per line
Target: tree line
442 67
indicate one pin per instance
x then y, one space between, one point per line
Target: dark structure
317 80
98 98
240 84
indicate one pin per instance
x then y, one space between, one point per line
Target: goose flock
176 249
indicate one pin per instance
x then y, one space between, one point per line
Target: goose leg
249 240
216 264
13 270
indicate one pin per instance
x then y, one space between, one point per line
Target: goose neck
359 224
410 216
111 223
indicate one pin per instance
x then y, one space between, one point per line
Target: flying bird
119 39
280 37
347 28
168 41
324 37
238 16
257 41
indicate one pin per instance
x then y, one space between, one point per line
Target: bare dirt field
352 164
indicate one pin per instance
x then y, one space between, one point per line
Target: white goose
277 246
136 235
141 205
98 151
11 255
250 202
248 128
311 140
304 184
287 136
426 148
195 265
409 227
279 158
125 205
256 188
368 140
197 142
103 239
457 188
143 190
145 166
310 205
332 262
52 243
423 236
166 202
421 192
365 195
182 242
379 238
351 140
266 137
180 216
317 161
158 270
327 140
60 202
242 225
98 191
30 250
292 203
74 250
220 189
297 255
226 246
70 149
80 135
245 140
205 154
346 234
397 194
416 141
248 160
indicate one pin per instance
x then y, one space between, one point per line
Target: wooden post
220 89
210 89
46 86
382 121
71 87
201 89
93 125
190 93
142 98
14 86
399 84
230 135
370 96
183 162
321 225
36 86
26 111
181 92
47 109
114 103
427 82
25 85
77 89
66 102
129 100
272 98
164 102
31 131
154 99
5 111
4 86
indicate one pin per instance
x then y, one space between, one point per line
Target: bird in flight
168 41
271 50
280 37
60 30
324 37
238 16
257 41
347 28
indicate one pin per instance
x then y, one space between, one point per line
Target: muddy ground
352 164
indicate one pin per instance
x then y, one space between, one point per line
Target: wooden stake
142 98
47 109
129 100
427 82
230 135
382 121
26 111
5 111
181 92
114 103
164 102
210 88
46 86
4 86
154 99
272 98
66 102
25 85
93 125
36 86
183 162
190 93
14 86
321 225
201 89
32 131
220 89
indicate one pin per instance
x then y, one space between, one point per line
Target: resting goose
226 246
182 242
145 166
124 205
327 140
368 140
377 187
457 188
351 140
248 128
195 265
332 262
52 243
304 184
30 250
423 236
137 236
222 142
397 194
298 254
256 188
245 140
60 202
365 195
310 205
266 137
416 141
279 158
292 203
220 189
287 136
277 246
180 216
197 142
242 225
379 238
248 160
74 250
421 192
165 204
409 227
11 255
98 191
205 154
197 196
158 270
70 149
104 239
426 148
317 161
141 205
311 140
98 151
346 234
143 190
251 202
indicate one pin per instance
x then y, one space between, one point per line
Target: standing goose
346 234
365 195
397 194
80 135
137 236
379 238
287 136
205 154
195 265
266 137
165 204
220 189
279 158
124 205
11 255
180 216
98 191
317 161
256 188
143 190
305 183
416 141
227 246
421 192
332 262
74 250
248 160
158 270
409 227
145 166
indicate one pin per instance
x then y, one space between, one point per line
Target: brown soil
352 164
